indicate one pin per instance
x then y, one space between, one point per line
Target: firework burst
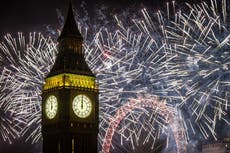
26 61
200 41
124 63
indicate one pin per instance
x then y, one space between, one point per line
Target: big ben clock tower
70 97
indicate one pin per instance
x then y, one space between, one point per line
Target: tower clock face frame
51 107
82 106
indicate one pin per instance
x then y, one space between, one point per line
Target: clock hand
51 106
81 102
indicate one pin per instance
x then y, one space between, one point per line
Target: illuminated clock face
51 107
82 106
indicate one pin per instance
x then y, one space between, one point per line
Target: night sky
33 15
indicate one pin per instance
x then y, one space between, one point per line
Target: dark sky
30 15
27 15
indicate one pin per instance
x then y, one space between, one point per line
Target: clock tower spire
70 56
70 97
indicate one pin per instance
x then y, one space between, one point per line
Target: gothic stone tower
70 98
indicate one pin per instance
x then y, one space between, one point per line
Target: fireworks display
161 77
26 61
201 43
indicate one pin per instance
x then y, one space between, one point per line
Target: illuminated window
59 150
70 80
72 145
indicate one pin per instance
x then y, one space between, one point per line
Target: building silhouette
222 146
70 97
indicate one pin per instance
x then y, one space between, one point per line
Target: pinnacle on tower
70 29
70 57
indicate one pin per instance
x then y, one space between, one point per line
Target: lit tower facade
70 98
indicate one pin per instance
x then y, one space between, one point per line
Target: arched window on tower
72 145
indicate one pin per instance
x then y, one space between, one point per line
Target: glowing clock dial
82 106
51 107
